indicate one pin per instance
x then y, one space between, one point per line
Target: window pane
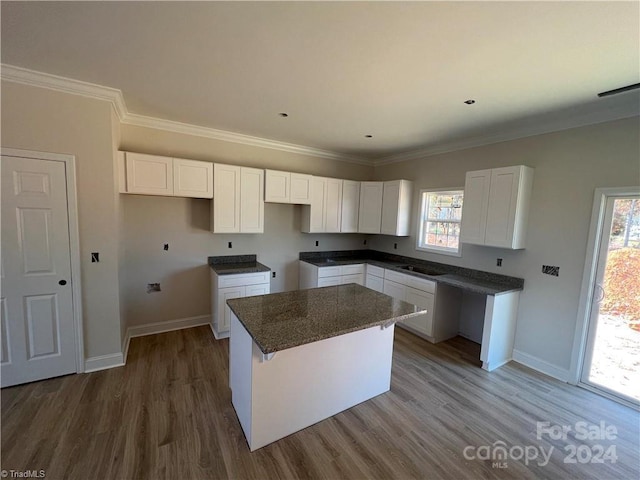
438 210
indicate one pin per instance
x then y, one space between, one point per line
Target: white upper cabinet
287 187
251 200
192 178
155 175
225 210
301 188
496 206
238 205
350 206
370 212
396 208
333 205
148 174
325 212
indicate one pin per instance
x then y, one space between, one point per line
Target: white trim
103 362
588 277
540 365
610 396
162 327
63 84
540 128
76 87
74 239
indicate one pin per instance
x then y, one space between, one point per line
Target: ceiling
399 71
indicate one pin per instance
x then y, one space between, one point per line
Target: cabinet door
329 281
192 178
224 312
422 323
251 200
350 206
474 208
301 188
149 174
394 289
333 205
314 218
253 290
277 186
355 278
390 205
370 212
501 209
226 199
375 283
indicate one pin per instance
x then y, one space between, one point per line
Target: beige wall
48 121
568 165
150 222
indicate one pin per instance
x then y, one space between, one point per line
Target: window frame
420 224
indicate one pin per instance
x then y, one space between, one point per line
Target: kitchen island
296 358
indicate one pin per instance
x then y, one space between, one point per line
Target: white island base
278 394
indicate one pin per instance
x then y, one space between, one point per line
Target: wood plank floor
168 414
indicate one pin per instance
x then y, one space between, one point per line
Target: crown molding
226 136
540 128
25 76
34 78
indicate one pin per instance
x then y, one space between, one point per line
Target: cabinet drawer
329 281
355 278
329 272
375 271
243 279
428 286
353 269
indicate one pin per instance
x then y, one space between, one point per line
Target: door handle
598 293
62 282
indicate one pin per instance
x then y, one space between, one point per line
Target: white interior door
38 336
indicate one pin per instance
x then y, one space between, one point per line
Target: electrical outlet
499 262
273 274
166 246
317 243
365 242
153 287
95 257
395 246
551 270
230 245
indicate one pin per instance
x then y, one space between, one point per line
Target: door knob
62 282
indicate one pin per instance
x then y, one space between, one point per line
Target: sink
422 270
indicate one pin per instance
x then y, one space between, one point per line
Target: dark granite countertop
232 264
476 281
285 320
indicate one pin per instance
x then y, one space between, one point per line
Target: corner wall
569 165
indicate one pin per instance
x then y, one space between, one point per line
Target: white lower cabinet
441 302
226 287
311 276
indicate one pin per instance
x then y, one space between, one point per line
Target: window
439 222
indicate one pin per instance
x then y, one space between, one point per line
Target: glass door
612 351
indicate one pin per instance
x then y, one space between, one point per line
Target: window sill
449 253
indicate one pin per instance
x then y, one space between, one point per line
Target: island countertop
285 320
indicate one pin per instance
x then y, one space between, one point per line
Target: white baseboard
542 366
162 327
102 362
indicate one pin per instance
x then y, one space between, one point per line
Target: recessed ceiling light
470 102
368 136
284 115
